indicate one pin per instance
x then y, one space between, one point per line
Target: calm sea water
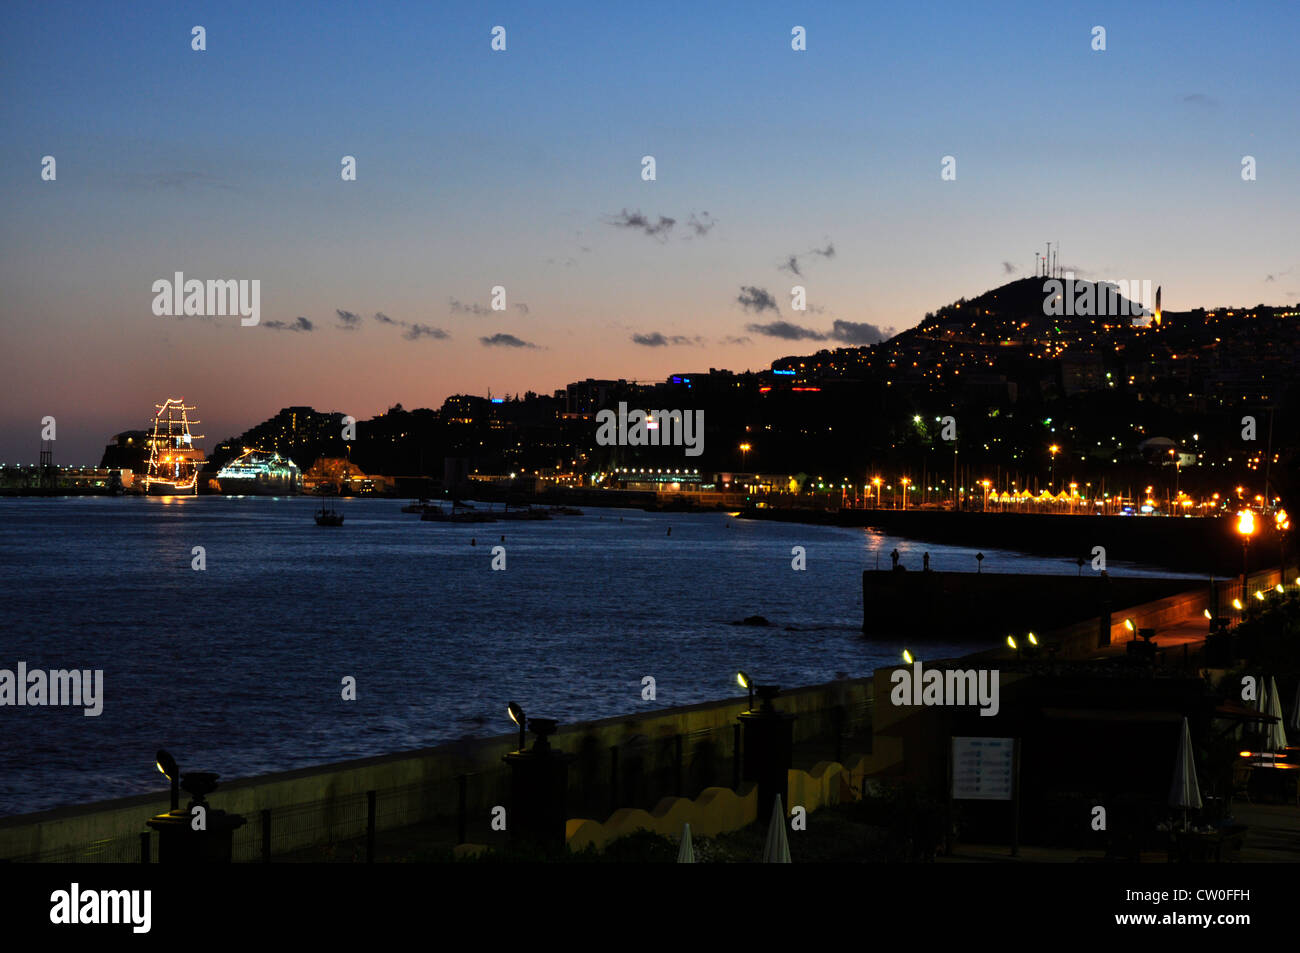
238 668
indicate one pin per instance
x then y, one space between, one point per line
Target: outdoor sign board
983 769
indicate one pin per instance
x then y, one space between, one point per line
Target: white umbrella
686 853
1294 721
777 850
1275 736
1184 792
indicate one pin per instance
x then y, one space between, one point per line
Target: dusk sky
522 168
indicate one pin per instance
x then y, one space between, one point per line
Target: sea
226 627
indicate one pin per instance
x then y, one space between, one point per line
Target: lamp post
1245 529
538 784
744 455
1053 450
905 481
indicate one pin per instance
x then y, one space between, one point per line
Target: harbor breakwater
1207 544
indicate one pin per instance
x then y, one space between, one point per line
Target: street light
1246 529
905 481
1053 450
744 454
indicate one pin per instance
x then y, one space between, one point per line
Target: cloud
658 230
382 318
1200 99
791 263
348 320
504 340
786 331
523 308
700 226
416 331
757 300
655 339
458 307
297 324
732 339
1008 268
852 332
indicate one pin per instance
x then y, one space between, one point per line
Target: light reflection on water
238 668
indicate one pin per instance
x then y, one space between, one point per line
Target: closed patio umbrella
777 850
686 853
1184 792
1294 721
1275 735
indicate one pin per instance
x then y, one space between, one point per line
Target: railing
425 818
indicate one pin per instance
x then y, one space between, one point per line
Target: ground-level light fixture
907 657
172 772
745 682
1128 624
1236 604
517 716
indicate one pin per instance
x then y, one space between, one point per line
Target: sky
522 169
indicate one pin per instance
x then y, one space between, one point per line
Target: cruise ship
259 473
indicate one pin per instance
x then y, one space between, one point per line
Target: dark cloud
852 332
416 331
732 339
523 308
757 300
297 324
700 225
786 331
655 339
348 320
458 307
1008 268
791 263
504 340
382 318
635 220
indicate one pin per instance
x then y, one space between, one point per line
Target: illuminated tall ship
174 460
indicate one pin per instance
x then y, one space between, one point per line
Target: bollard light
517 716
172 772
744 682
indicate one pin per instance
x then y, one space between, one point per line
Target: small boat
327 515
520 511
459 513
419 507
